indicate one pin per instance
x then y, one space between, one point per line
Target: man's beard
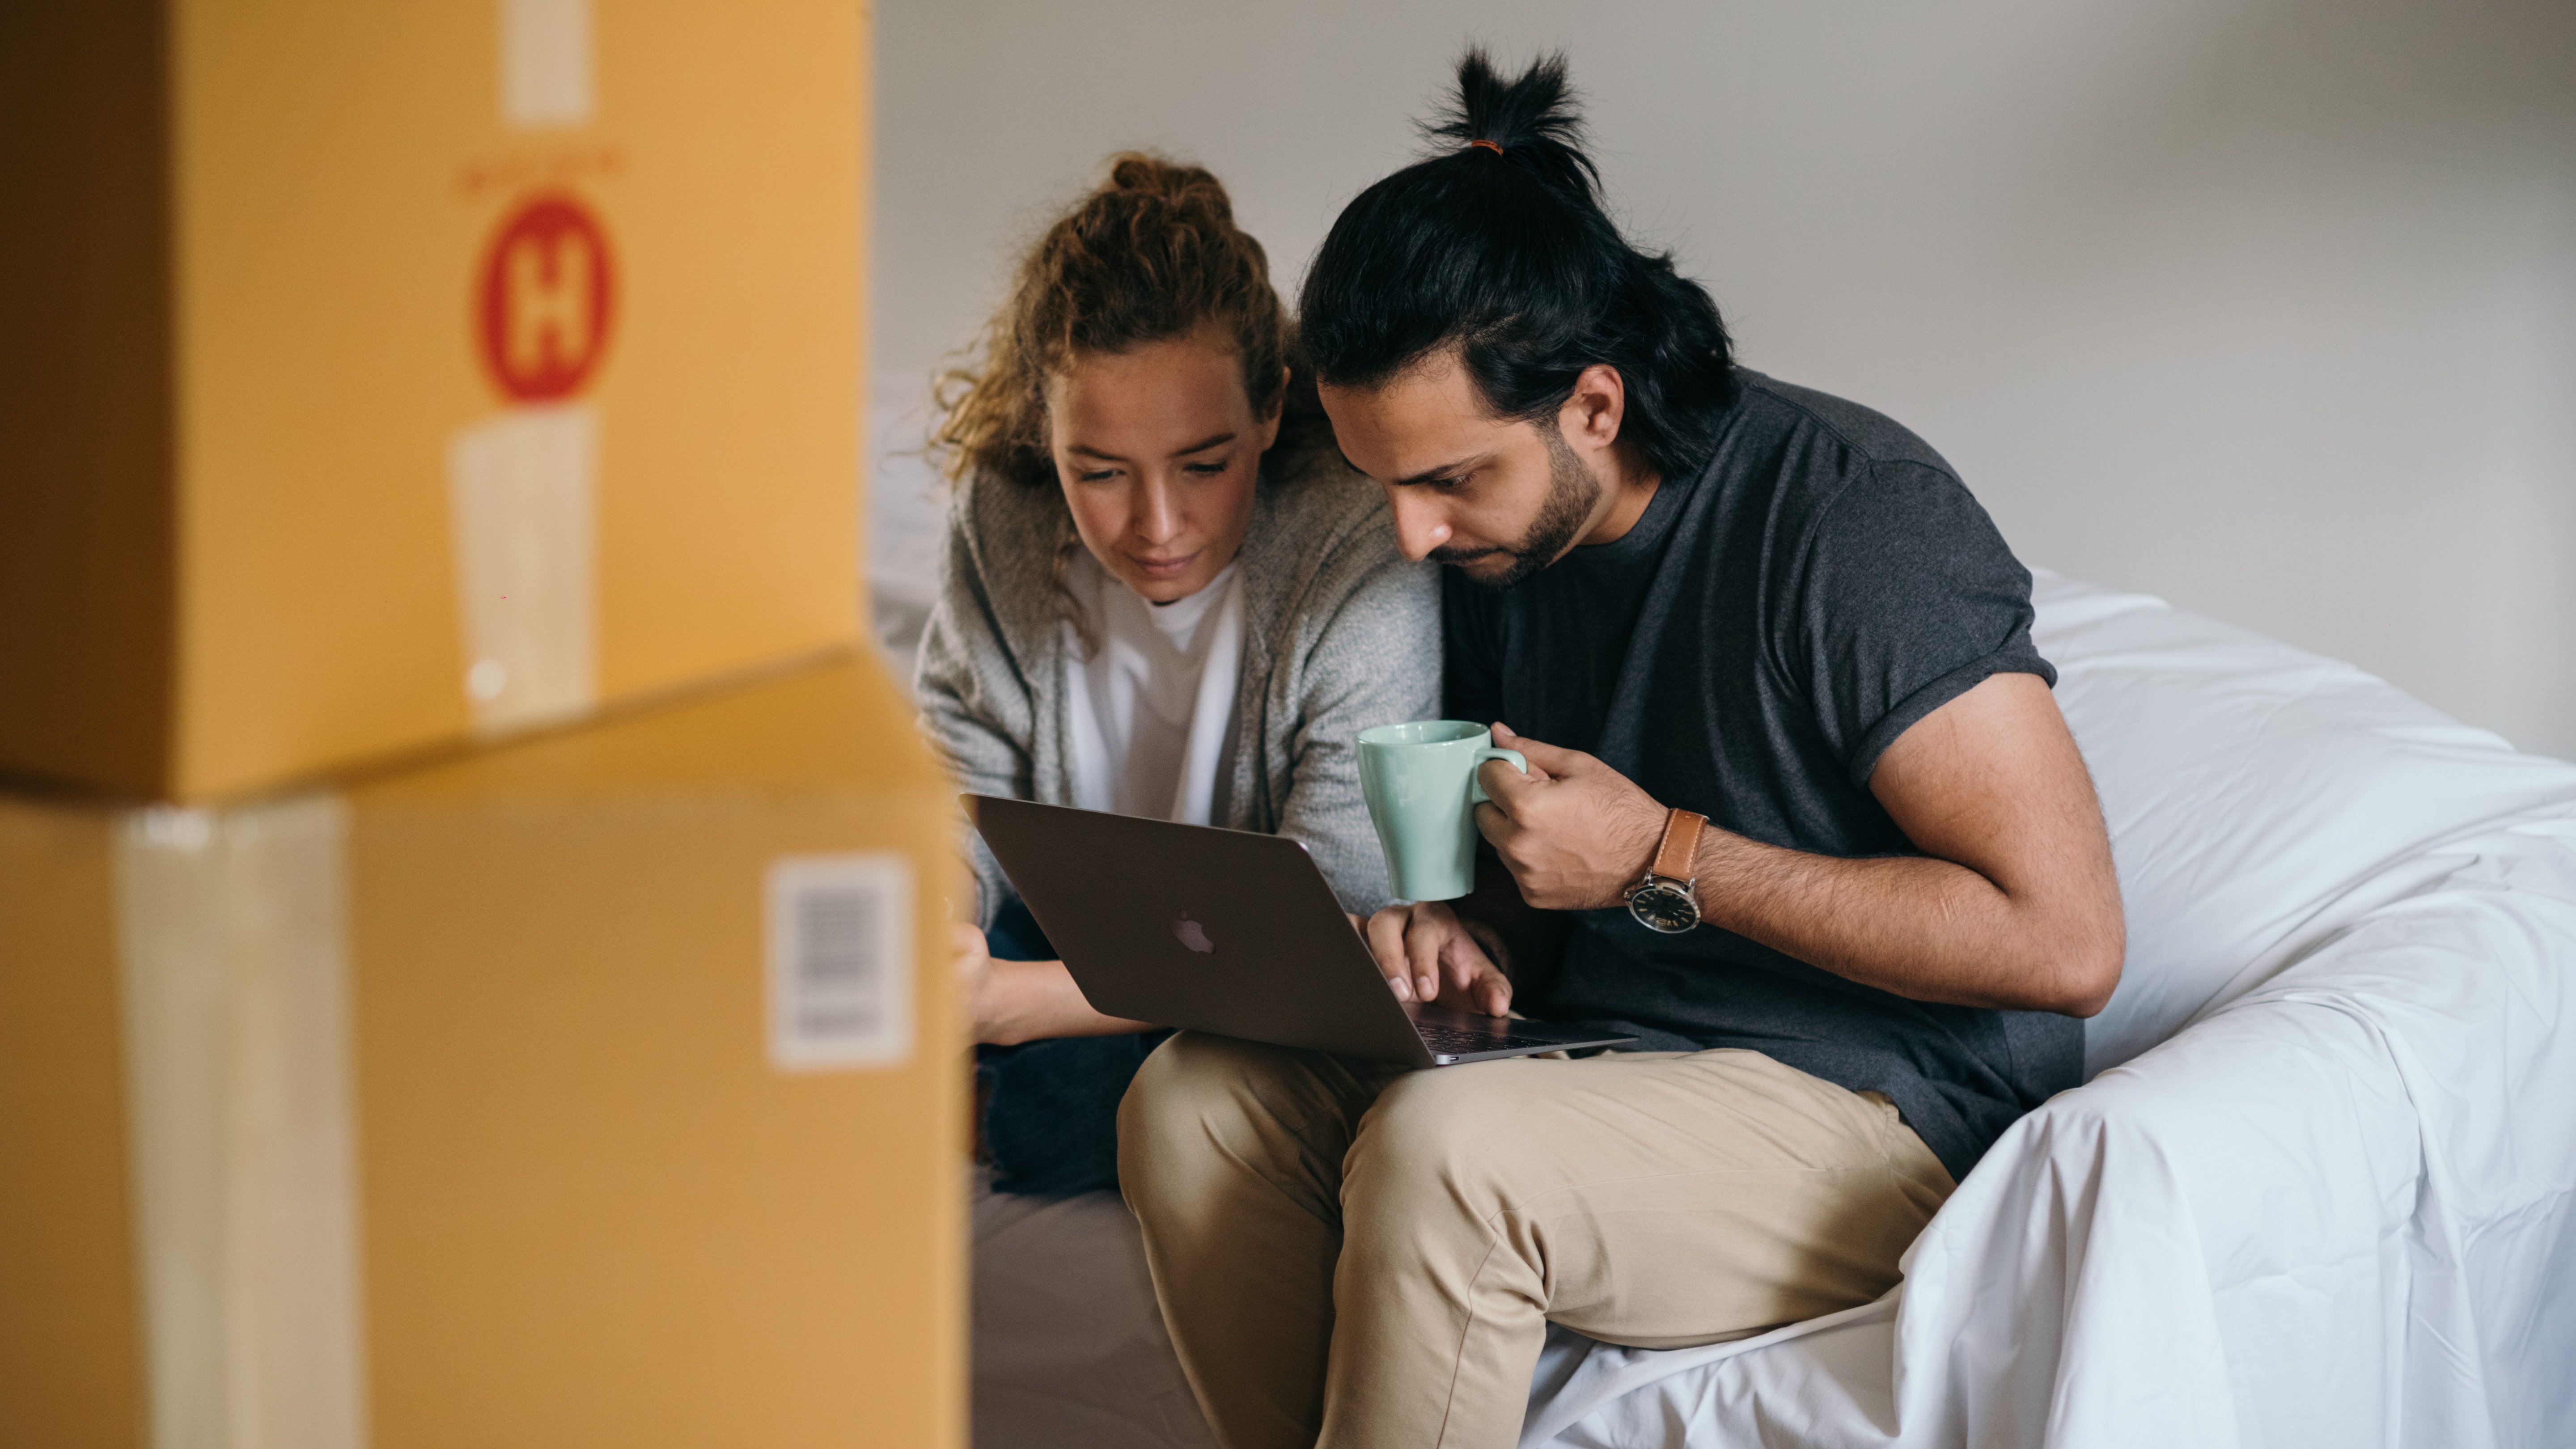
1571 493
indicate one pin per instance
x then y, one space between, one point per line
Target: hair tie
1488 145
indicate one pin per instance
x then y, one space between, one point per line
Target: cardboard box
597 1088
378 375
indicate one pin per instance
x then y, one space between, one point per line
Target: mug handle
1475 788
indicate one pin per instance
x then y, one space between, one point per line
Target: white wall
2268 307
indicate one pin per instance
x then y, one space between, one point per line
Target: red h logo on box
547 296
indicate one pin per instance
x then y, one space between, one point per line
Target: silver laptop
1230 932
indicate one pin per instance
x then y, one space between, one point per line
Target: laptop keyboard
1459 1040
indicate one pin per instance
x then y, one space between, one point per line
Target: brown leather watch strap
1676 857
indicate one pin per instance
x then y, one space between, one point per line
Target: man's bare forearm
1917 926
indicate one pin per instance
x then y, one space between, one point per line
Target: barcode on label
840 961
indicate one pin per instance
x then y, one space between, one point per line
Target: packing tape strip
546 63
522 494
232 939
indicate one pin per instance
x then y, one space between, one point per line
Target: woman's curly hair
1152 254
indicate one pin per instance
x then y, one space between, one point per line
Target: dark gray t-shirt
1748 650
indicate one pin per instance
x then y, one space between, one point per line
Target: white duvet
2317 1190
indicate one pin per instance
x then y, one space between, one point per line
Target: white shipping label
522 491
839 948
545 62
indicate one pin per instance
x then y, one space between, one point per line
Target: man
1695 592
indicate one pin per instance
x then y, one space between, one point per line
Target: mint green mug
1420 783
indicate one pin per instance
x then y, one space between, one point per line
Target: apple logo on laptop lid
1193 935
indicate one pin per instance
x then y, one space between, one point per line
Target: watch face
1661 905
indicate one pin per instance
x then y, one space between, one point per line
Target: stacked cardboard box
382 375
581 1089
469 923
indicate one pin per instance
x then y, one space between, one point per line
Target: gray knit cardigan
1340 633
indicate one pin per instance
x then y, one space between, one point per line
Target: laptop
1230 932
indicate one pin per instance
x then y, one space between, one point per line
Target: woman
1162 594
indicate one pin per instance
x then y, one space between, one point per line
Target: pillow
2257 796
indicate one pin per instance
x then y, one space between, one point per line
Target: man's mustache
1466 555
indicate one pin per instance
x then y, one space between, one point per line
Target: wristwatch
1664 901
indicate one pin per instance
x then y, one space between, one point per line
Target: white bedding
2321 1191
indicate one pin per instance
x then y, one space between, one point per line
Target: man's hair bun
1531 119
1497 245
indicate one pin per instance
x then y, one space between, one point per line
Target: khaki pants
1360 1255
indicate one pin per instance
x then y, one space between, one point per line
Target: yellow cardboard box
380 374
595 1088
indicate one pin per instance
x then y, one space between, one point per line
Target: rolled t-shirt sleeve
1904 598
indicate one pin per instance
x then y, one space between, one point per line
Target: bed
2319 1186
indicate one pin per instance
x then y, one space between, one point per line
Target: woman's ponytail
1187 188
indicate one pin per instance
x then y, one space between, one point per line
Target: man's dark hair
1499 245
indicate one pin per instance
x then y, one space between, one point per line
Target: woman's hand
1427 954
974 980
